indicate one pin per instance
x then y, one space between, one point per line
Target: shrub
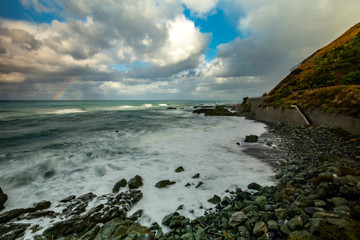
352 78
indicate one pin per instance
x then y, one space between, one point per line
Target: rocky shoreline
316 197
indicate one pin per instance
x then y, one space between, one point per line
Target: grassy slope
329 79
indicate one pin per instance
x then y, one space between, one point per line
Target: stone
251 139
295 223
176 221
272 225
196 175
12 230
339 201
166 220
164 183
325 215
42 205
259 229
300 235
199 184
179 169
91 234
319 203
281 213
187 236
68 199
261 201
200 234
135 182
120 184
285 229
14 213
250 208
244 232
254 186
237 218
215 199
315 224
3 199
87 197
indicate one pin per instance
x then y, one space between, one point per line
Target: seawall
294 117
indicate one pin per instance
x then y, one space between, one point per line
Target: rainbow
62 92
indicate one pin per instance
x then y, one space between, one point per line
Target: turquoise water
50 150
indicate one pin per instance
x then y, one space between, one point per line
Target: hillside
328 80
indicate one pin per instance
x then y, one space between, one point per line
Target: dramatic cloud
149 49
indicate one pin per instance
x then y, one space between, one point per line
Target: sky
160 49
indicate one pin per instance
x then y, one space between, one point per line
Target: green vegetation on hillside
328 80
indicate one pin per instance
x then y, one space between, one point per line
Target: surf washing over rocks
51 150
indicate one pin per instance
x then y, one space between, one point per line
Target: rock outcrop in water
3 199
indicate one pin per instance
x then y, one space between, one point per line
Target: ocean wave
67 111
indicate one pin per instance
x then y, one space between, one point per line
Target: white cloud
123 89
12 78
200 7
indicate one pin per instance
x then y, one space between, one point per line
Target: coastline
313 193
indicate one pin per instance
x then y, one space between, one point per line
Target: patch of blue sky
128 67
222 28
13 9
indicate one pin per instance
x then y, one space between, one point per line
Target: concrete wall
349 124
292 116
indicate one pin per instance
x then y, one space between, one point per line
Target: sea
50 150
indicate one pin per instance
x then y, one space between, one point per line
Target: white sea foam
67 111
163 105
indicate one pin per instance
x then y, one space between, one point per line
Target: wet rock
259 229
315 224
87 197
218 111
38 214
164 183
244 232
215 199
272 225
166 220
6 216
3 199
171 108
179 169
261 201
12 231
339 201
125 229
254 186
68 199
188 185
237 218
200 234
196 175
120 184
199 184
295 223
91 234
251 139
42 205
135 182
187 236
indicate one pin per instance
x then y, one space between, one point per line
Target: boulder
272 225
118 185
179 169
196 175
215 199
3 199
237 218
135 182
251 138
259 229
295 223
187 236
42 205
254 186
164 183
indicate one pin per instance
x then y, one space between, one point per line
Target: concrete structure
296 117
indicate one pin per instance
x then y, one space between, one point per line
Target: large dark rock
254 186
179 169
42 205
251 138
218 111
215 199
118 185
6 216
164 183
12 231
3 198
135 182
